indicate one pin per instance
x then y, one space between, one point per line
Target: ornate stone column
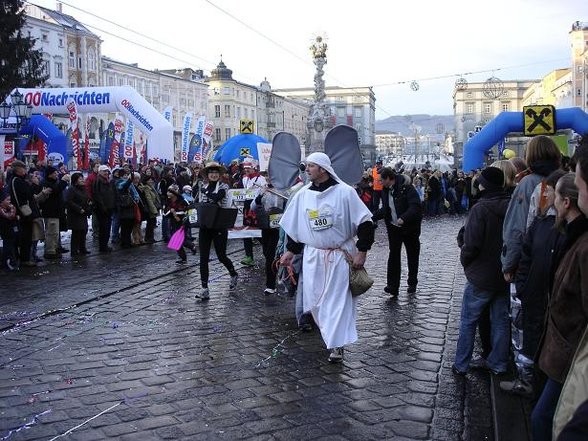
319 120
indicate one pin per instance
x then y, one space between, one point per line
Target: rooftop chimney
59 7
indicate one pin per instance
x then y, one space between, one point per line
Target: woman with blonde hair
509 171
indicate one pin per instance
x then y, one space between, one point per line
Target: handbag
359 279
25 209
177 239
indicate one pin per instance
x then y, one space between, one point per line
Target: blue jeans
115 227
542 415
474 302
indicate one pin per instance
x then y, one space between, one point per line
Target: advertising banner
113 158
75 133
87 143
129 145
186 137
122 99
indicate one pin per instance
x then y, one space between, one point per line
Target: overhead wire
277 44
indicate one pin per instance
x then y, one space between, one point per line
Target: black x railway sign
539 120
246 126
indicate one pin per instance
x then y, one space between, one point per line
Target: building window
47 67
238 92
217 112
121 82
505 107
238 112
358 112
340 112
227 111
58 69
79 62
227 133
246 113
91 59
469 107
469 94
45 37
60 42
72 59
72 84
217 134
226 91
110 80
487 107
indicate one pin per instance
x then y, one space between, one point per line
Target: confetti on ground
25 426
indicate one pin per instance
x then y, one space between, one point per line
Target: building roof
67 21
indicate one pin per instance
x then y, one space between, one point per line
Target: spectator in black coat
403 224
22 195
79 208
53 209
104 204
480 257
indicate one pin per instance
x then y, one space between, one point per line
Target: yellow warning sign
539 120
246 126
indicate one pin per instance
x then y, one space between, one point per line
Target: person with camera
402 214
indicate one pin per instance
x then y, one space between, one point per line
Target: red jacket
90 183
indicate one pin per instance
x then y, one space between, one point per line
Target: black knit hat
492 179
76 177
49 170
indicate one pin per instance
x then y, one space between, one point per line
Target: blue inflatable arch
508 122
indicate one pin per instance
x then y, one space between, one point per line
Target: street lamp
22 111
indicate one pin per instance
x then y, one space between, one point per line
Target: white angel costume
326 223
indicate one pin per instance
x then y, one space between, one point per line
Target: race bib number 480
320 219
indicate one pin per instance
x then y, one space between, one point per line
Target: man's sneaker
479 364
389 291
248 261
269 291
204 294
411 289
457 372
336 355
482 364
181 262
517 387
233 281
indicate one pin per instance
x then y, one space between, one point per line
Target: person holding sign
213 192
402 214
322 220
269 206
252 180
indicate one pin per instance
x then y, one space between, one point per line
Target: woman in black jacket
78 210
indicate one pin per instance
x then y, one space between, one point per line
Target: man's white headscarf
322 160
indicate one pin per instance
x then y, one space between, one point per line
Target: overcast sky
370 43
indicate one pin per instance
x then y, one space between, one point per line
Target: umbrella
238 147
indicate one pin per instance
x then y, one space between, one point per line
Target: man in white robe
322 219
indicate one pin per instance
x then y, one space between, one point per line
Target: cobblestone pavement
118 347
